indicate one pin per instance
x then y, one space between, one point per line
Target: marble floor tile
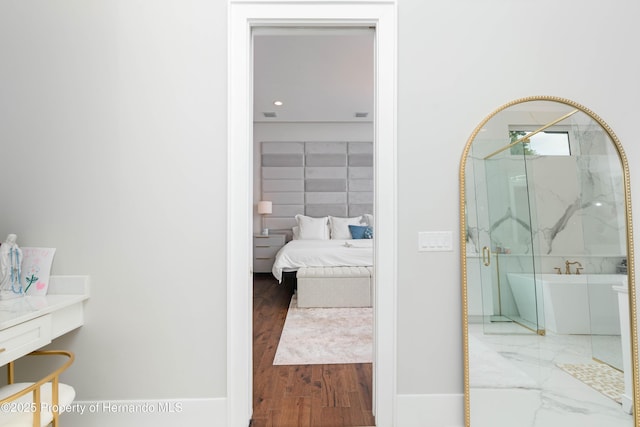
544 395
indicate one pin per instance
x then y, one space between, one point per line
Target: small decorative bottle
10 265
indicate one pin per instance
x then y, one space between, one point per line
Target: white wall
458 61
113 117
113 113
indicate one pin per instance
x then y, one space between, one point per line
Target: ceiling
320 75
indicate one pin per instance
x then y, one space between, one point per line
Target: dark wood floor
300 395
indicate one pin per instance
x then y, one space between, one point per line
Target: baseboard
413 410
136 413
433 410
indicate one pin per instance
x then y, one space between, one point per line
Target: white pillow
313 228
296 233
368 219
340 226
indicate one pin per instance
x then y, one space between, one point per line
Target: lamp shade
265 207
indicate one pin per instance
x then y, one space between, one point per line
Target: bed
332 258
323 253
326 242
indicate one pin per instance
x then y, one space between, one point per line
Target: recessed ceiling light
277 103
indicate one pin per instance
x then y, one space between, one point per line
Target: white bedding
323 253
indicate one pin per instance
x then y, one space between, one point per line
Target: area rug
317 336
598 376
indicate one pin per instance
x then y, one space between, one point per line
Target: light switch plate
435 241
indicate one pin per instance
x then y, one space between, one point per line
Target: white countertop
63 292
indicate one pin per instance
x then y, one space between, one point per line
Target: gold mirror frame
630 252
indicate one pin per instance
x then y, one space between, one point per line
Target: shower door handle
486 256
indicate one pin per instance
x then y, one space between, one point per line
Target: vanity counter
30 322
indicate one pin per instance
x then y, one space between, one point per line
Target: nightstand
265 249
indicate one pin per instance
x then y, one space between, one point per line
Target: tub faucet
558 270
567 269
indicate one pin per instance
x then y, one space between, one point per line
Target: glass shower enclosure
501 234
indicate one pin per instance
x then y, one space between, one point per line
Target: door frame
242 16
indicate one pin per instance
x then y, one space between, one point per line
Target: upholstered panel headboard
316 179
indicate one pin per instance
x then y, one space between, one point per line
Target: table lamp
265 207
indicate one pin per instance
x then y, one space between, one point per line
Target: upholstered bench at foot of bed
334 286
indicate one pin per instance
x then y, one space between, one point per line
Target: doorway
313 97
242 16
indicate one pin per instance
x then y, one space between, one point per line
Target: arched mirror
547 270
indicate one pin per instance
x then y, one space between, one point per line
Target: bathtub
569 302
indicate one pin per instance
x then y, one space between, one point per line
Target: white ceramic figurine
10 263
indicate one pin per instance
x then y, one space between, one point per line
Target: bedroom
313 166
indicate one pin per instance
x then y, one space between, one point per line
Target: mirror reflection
546 226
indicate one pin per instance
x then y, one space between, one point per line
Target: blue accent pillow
361 232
